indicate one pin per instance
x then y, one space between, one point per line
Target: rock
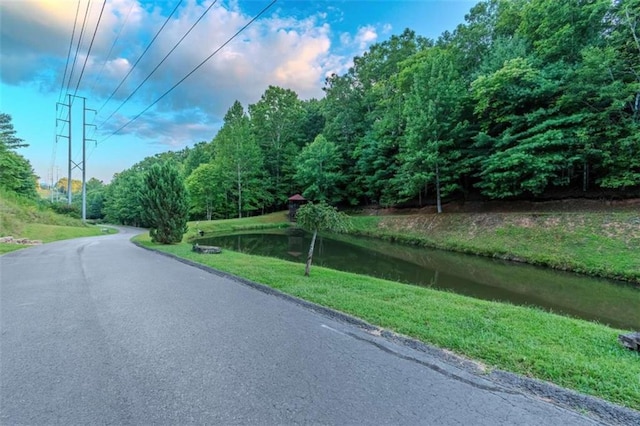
630 340
23 241
206 249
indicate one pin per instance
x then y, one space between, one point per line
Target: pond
609 302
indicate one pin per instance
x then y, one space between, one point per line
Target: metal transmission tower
73 165
84 156
68 137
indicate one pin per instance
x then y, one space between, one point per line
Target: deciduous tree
316 217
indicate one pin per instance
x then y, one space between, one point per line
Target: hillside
24 218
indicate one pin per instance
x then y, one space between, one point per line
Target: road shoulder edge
592 407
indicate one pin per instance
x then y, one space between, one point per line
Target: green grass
574 354
598 244
268 221
24 218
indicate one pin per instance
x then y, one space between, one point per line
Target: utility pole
68 137
69 176
83 164
84 156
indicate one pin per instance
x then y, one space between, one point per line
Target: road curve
97 330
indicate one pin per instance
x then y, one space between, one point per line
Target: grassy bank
599 244
267 221
571 353
594 243
24 218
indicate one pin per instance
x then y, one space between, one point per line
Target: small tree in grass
164 203
319 217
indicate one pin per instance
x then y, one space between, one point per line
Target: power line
161 62
143 53
86 58
194 70
124 24
66 66
84 21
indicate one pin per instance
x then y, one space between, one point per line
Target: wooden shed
295 201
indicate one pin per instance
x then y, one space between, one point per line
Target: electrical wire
104 64
84 21
194 70
86 58
161 62
143 53
66 66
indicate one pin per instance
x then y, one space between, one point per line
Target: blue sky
295 45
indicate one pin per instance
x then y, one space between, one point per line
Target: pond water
609 302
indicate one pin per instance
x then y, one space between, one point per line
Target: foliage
62 185
63 208
318 171
319 217
526 99
122 199
434 128
8 138
16 174
274 122
240 162
25 217
204 185
164 203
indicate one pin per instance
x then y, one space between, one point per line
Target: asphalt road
99 331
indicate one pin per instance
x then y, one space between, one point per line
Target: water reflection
605 301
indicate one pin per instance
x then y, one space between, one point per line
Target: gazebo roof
297 197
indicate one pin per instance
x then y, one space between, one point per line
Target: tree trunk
585 175
438 201
239 194
310 255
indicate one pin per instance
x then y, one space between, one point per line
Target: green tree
525 142
122 199
201 153
434 130
240 161
96 191
275 122
318 171
206 190
16 174
319 217
164 202
8 137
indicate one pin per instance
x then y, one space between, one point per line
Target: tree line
526 98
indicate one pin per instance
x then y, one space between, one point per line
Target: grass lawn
25 218
575 354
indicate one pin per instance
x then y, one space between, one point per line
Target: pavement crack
434 367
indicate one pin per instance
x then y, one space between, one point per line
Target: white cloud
366 36
275 50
